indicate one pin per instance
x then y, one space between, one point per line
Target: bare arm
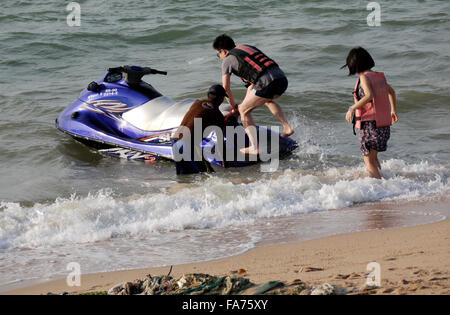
183 130
368 95
393 101
226 85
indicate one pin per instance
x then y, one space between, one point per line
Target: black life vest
253 63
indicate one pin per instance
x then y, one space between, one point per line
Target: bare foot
287 132
250 150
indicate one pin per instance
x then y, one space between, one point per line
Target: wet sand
412 260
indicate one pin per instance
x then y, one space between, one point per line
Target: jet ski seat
161 113
145 89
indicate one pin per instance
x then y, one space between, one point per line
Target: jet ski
121 115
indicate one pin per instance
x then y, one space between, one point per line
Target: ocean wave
216 202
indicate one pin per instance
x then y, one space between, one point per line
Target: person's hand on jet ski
230 99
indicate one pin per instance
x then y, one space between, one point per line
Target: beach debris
205 284
189 284
297 282
388 290
367 289
310 269
300 289
350 276
115 290
323 289
242 272
267 287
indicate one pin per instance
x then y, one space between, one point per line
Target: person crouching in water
208 112
374 110
265 82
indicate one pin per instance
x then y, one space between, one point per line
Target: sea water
61 202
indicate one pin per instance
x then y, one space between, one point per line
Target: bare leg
378 163
371 163
276 110
250 102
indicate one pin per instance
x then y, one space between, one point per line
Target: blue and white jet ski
120 115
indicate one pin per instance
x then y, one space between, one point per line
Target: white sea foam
216 202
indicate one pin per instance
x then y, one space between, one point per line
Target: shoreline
413 260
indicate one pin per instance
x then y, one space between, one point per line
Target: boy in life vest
265 82
374 110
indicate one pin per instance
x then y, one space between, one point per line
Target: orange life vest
379 108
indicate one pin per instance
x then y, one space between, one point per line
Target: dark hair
216 94
358 60
223 42
215 100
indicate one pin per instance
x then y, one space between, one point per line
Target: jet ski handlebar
134 74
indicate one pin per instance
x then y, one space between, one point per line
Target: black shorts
275 88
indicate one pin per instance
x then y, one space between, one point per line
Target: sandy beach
412 260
